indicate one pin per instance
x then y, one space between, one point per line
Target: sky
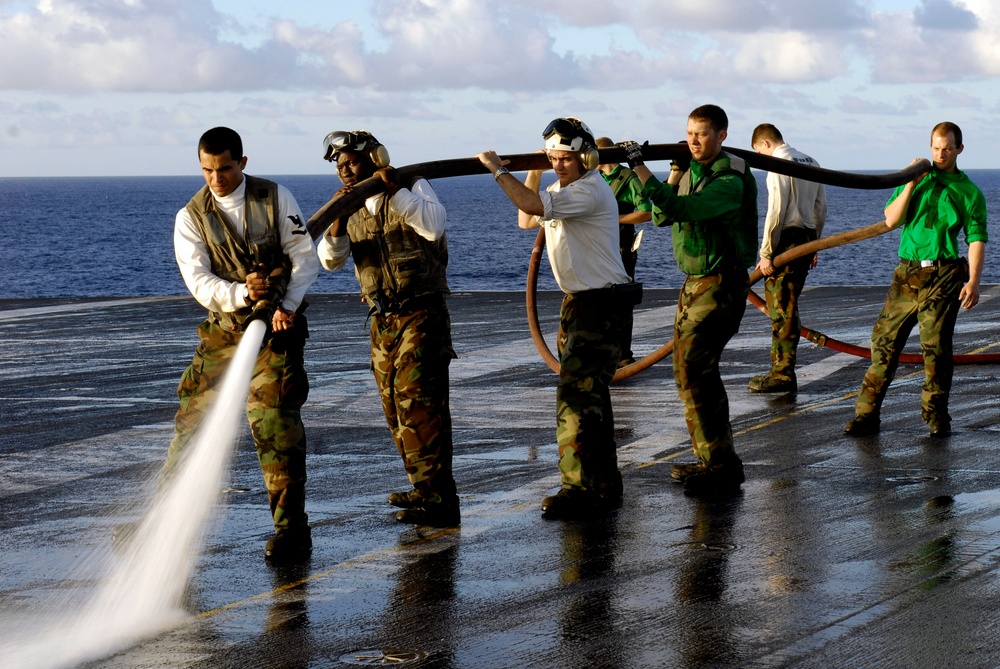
126 87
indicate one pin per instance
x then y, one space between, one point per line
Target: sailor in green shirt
929 284
633 210
711 208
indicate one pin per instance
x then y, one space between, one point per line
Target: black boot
289 544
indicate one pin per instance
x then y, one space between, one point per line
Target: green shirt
713 215
627 189
940 206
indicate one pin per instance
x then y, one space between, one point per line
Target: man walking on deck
400 251
931 281
796 212
633 210
579 216
711 208
244 253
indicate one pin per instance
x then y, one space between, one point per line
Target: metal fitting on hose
263 310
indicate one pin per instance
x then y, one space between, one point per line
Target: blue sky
125 87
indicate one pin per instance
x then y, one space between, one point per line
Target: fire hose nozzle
263 310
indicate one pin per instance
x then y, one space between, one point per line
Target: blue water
113 236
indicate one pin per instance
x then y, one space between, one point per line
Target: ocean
113 236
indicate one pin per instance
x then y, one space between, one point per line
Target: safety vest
617 183
393 263
705 247
233 257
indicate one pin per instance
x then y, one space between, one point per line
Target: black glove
633 152
683 164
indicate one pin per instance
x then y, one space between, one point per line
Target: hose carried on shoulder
350 202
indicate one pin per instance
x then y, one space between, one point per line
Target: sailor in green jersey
711 208
929 284
633 210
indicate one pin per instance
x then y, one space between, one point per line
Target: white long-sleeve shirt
419 206
217 294
791 203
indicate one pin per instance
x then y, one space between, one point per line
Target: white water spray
142 592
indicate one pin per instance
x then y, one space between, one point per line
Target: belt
930 263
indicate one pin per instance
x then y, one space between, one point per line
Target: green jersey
627 189
713 215
940 206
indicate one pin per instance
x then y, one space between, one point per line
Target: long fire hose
350 202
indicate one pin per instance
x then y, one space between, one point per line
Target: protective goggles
563 134
340 140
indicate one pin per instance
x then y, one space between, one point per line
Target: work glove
633 152
683 164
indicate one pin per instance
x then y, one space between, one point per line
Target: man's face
353 167
566 165
944 153
704 141
222 173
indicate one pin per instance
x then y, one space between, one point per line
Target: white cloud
939 41
145 45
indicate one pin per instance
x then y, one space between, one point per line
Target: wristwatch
500 170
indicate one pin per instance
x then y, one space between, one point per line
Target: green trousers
278 390
927 297
709 311
411 353
781 291
589 345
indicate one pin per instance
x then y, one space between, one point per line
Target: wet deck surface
839 552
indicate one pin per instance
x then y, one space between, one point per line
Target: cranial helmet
572 134
359 141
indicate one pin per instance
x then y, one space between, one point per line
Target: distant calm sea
112 236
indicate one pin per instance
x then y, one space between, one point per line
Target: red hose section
536 332
815 337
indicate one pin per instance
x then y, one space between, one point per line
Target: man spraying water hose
244 254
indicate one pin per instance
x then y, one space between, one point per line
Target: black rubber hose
457 167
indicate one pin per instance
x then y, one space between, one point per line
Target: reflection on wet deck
838 552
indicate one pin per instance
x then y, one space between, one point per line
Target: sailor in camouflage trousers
929 284
400 250
578 216
244 253
796 214
710 205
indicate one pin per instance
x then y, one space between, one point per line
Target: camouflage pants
781 291
589 351
927 297
709 310
411 353
278 390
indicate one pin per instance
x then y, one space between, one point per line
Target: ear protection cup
590 158
379 155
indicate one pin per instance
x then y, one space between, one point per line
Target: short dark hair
944 127
218 140
713 114
603 142
765 131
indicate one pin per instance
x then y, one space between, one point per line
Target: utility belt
922 264
382 305
962 263
625 294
